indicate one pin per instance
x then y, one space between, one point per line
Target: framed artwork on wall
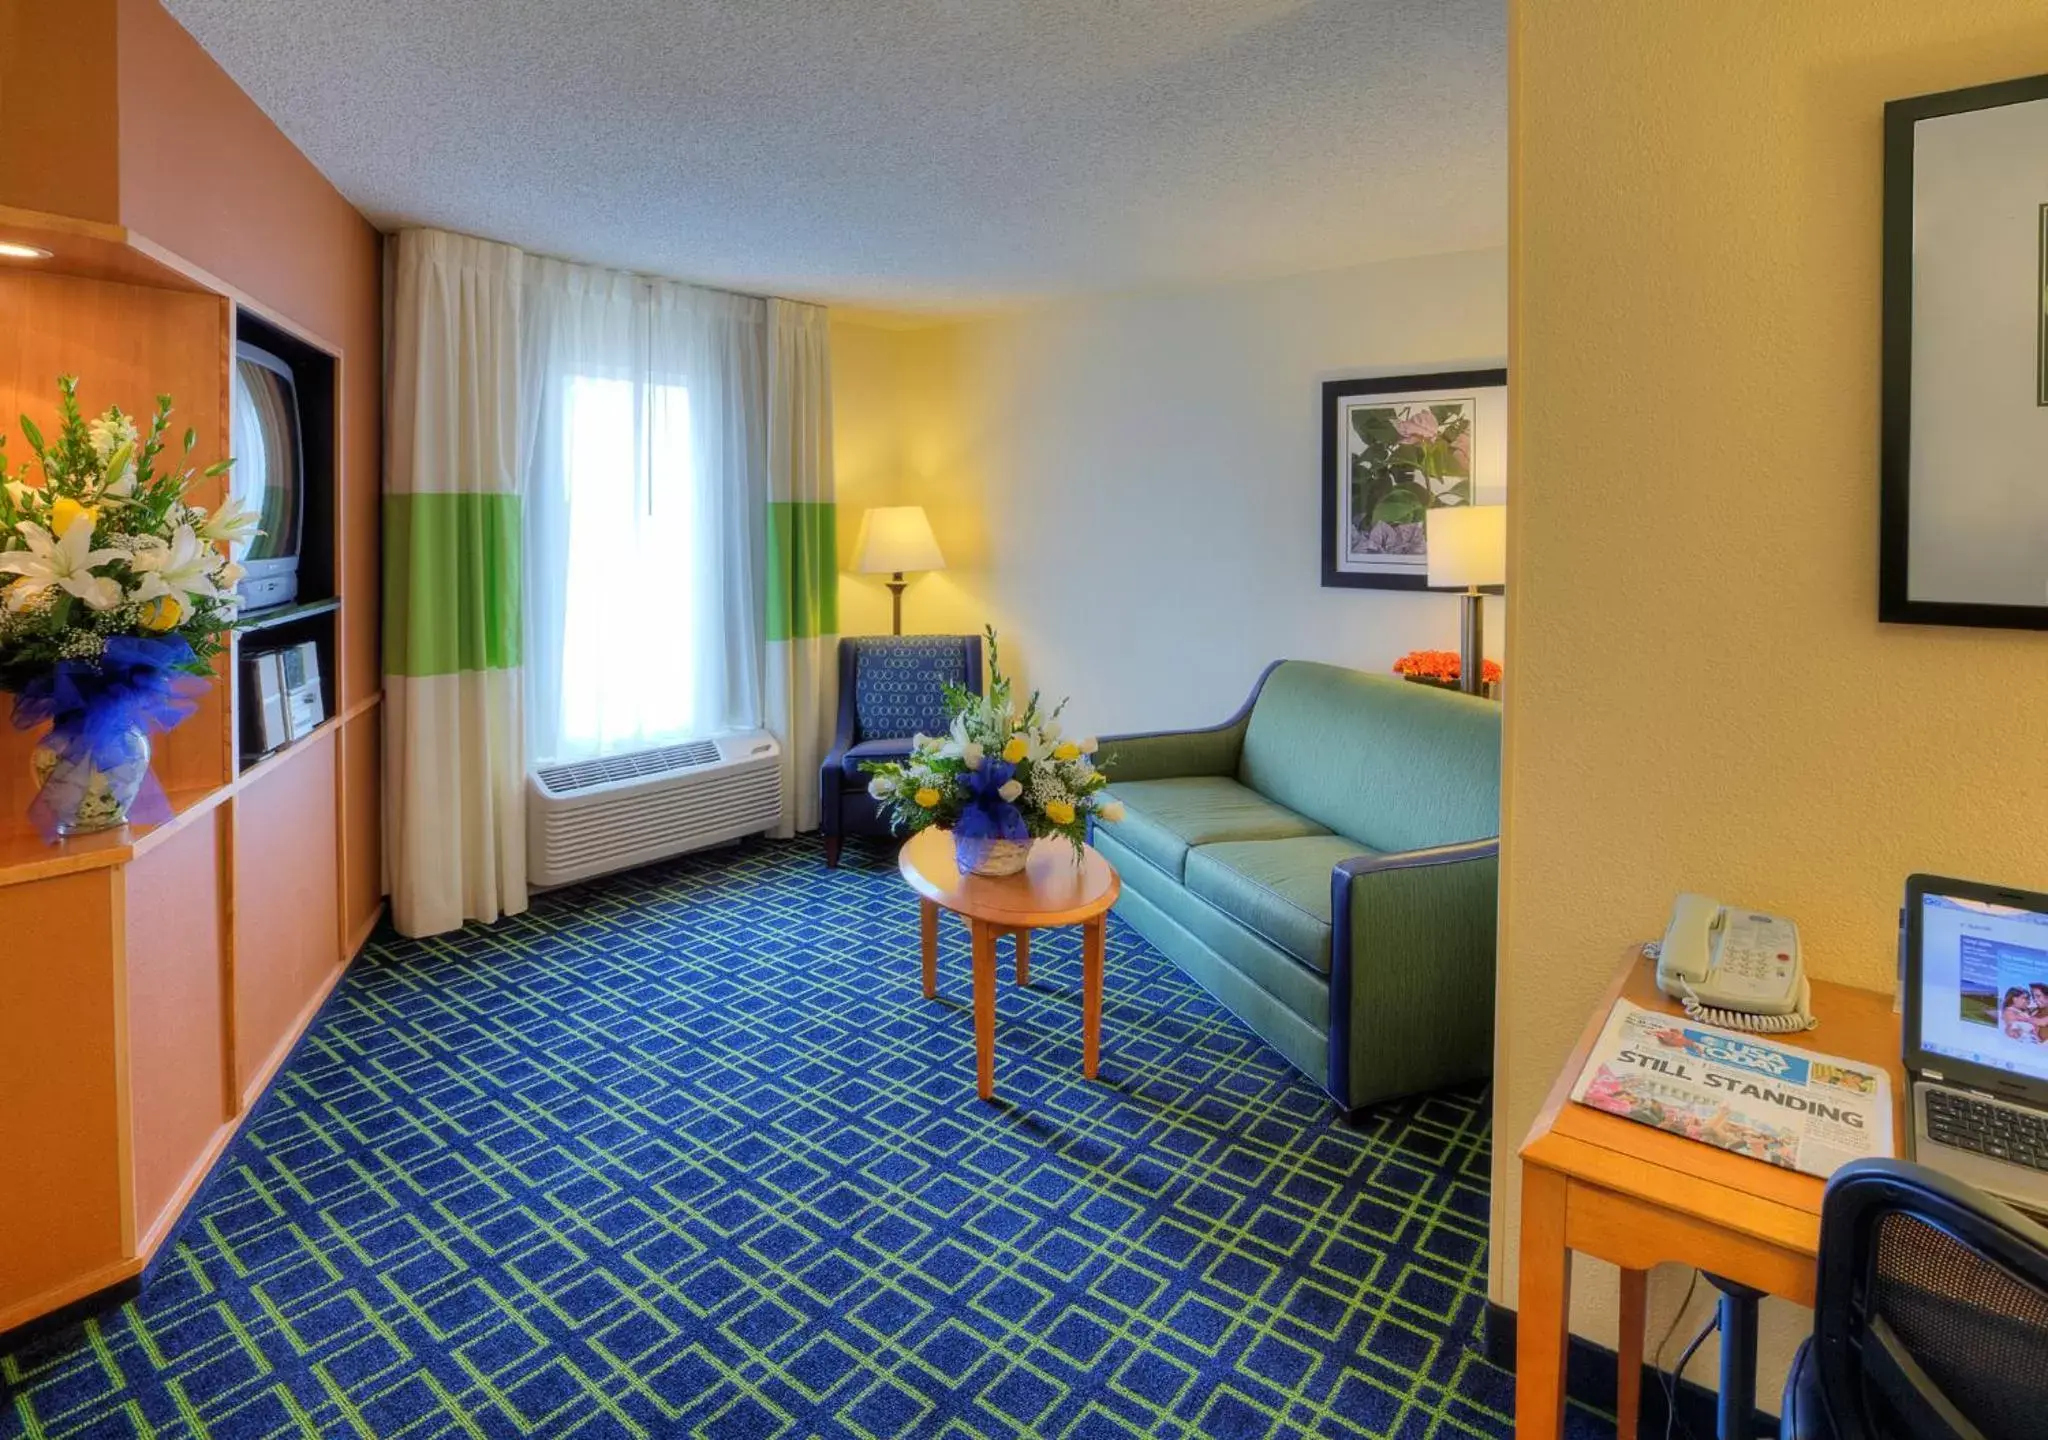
1963 494
1394 448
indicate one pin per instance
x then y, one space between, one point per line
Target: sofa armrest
1170 754
1412 955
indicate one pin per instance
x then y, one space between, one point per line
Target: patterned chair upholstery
891 687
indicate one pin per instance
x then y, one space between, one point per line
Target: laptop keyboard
1998 1132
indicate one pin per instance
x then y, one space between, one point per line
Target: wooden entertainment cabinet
153 979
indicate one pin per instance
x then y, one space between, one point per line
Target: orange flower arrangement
1443 667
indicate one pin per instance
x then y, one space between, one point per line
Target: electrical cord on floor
1664 1379
1712 1324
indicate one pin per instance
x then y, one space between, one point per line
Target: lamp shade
1468 544
896 537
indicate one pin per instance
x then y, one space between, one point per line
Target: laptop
1975 987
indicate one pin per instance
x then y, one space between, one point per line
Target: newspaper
1752 1094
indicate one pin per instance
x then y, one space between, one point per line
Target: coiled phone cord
1734 1019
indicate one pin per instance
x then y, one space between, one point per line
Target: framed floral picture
1395 448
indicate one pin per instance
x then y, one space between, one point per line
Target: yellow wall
895 441
1703 696
1127 485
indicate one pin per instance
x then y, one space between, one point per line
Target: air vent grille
641 765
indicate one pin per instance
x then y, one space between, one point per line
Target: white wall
1128 486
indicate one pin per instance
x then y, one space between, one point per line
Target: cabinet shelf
286 614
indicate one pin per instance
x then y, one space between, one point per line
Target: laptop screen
1984 984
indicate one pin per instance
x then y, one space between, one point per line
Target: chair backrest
899 682
1390 764
1931 1317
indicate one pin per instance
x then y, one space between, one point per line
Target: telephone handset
1733 967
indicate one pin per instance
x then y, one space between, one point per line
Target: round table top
1053 888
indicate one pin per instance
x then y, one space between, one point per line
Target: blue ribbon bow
987 815
138 683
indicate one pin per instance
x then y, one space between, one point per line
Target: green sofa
1325 863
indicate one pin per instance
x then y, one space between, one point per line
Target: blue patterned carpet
685 1152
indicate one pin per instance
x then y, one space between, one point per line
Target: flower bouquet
1443 668
997 779
114 598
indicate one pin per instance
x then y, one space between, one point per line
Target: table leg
1023 942
1735 1416
1094 940
930 925
1542 1322
984 943
1628 1354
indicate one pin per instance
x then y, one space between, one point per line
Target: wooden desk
1600 1185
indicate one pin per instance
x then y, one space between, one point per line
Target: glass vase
83 798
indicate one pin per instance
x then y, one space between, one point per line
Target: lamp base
896 584
1472 643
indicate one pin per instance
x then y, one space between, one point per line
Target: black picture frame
1335 392
1895 604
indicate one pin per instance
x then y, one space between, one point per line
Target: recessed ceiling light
15 250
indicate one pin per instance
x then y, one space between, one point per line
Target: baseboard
1589 1375
96 1300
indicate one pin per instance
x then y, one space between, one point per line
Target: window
643 489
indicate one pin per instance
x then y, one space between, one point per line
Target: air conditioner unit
596 816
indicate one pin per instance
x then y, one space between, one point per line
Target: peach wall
63 158
1706 699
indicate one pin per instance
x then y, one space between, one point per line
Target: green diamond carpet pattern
686 1152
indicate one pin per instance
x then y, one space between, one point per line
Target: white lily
64 563
231 524
881 787
21 494
183 569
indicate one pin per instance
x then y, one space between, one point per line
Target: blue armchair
891 687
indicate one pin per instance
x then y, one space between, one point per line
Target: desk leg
1735 1418
1094 940
1628 1354
1023 942
984 942
1542 1322
930 919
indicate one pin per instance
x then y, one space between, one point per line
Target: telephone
1733 967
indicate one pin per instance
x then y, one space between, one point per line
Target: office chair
1931 1315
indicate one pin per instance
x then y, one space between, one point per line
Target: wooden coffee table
1052 889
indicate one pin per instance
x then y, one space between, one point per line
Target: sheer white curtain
645 467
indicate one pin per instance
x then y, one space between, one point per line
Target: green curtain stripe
451 582
803 569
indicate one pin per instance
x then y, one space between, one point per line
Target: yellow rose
927 797
1066 750
65 512
1016 750
162 613
1059 812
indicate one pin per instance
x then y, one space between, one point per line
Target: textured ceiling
942 154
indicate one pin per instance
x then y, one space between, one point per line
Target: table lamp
895 539
1468 546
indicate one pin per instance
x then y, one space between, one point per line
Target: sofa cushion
1162 818
871 752
1277 889
1393 765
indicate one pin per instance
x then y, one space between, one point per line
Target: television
269 475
